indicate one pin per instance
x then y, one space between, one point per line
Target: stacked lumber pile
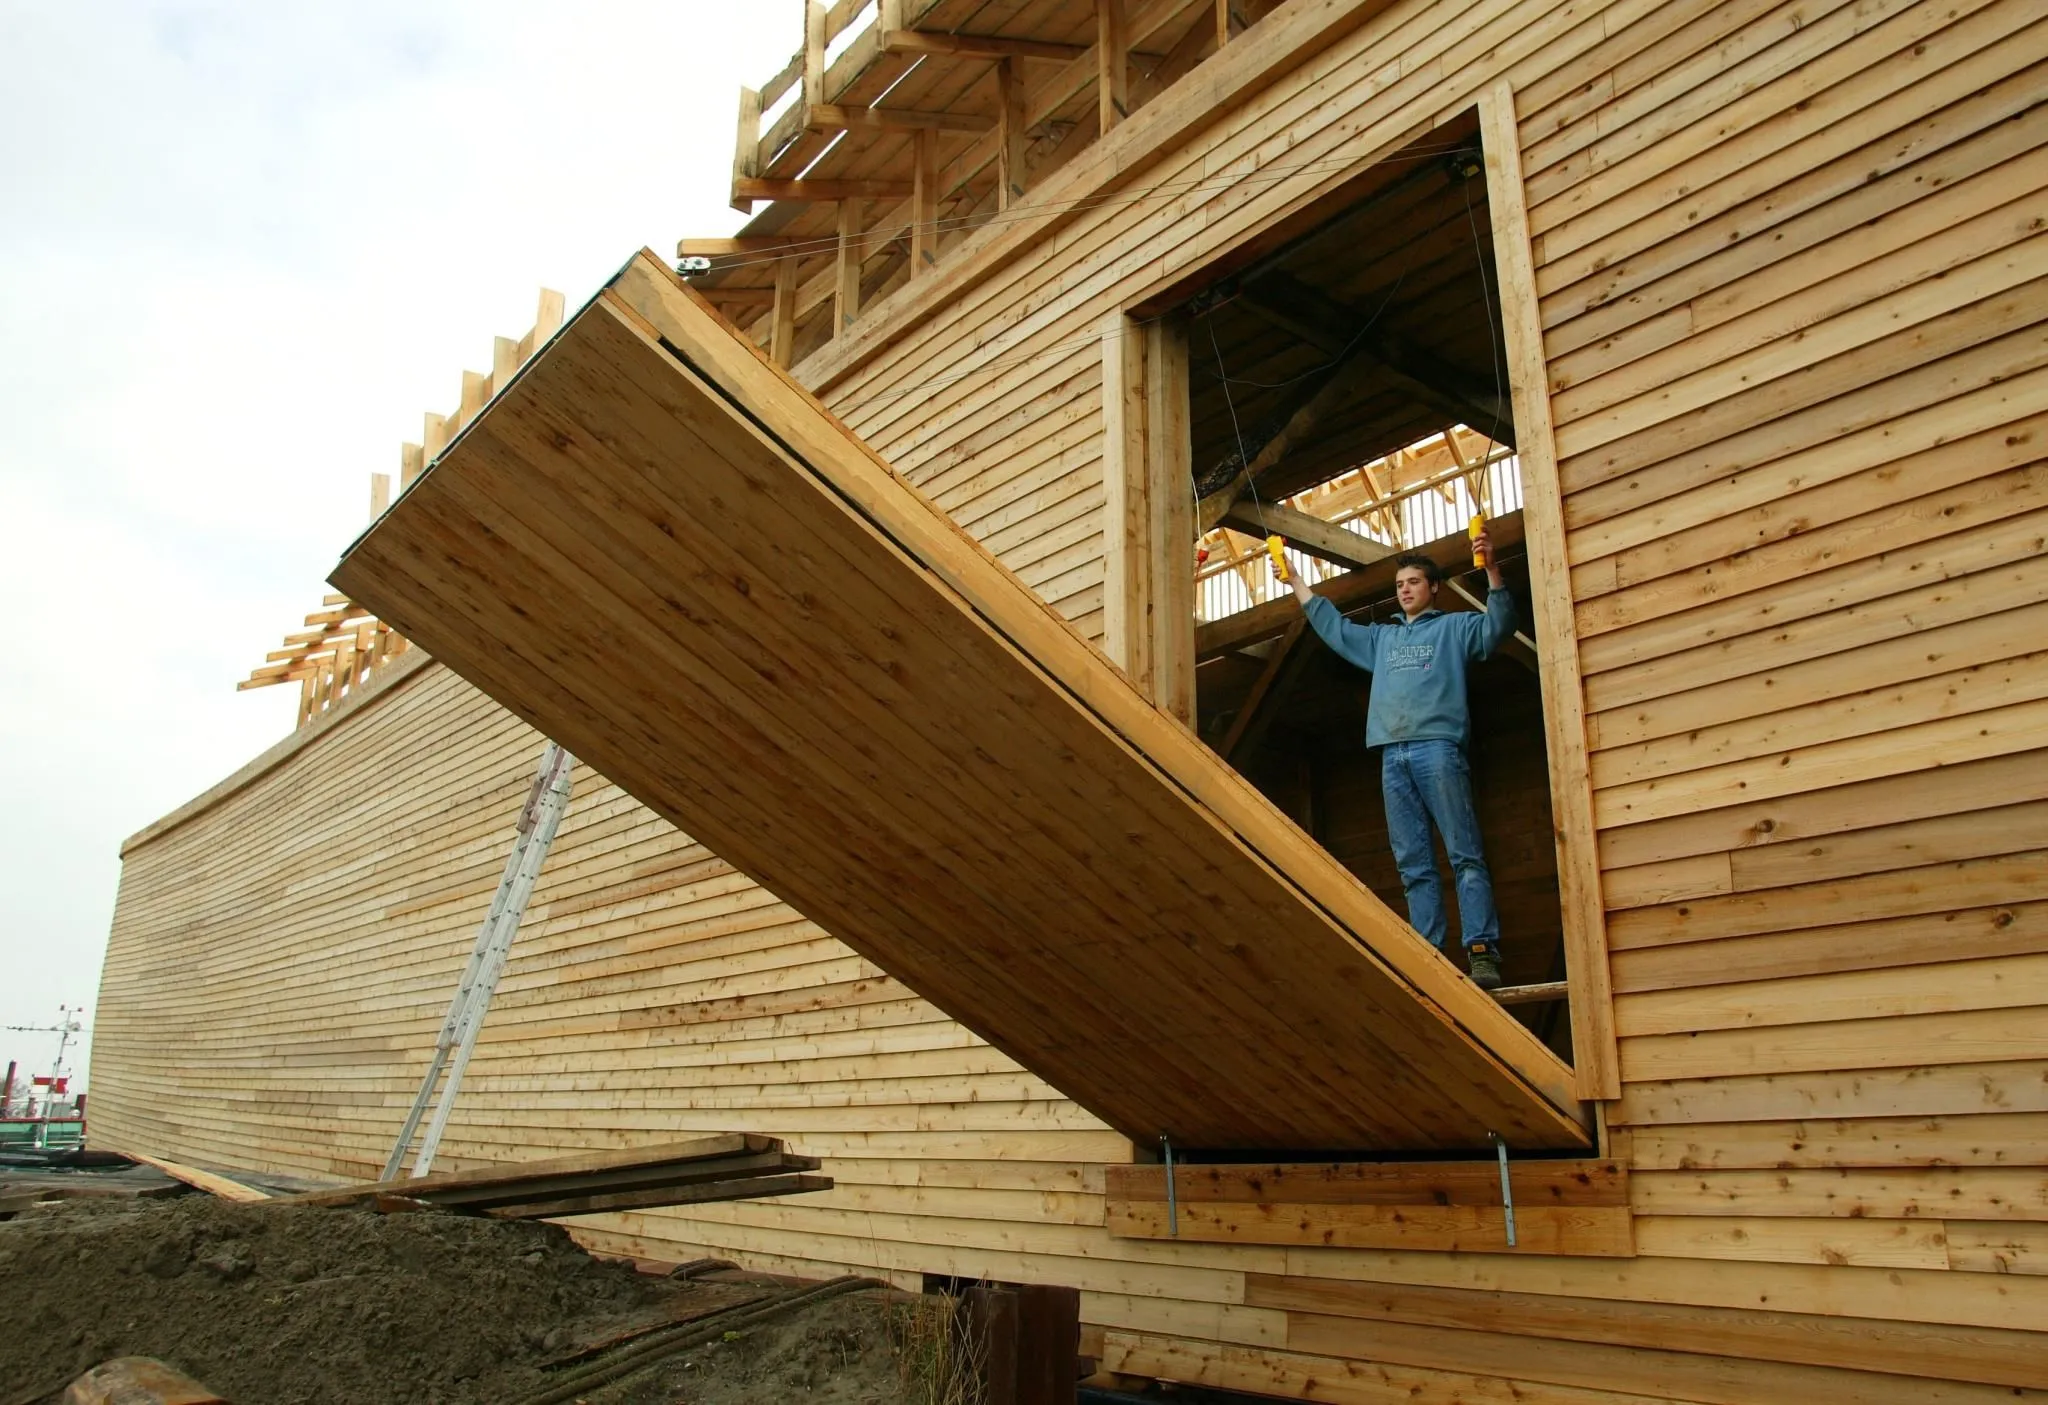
735 1166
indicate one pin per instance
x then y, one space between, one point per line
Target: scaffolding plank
659 550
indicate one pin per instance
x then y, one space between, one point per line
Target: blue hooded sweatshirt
1417 666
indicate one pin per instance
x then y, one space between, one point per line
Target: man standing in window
1418 721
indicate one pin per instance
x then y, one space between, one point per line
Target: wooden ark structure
1732 315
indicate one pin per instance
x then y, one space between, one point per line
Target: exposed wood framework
912 105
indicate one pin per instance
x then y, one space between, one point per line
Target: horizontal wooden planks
1560 1207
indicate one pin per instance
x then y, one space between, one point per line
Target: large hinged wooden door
660 551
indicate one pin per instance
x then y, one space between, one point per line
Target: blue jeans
1427 781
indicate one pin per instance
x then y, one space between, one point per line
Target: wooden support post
814 54
476 389
547 317
1595 1062
1148 511
380 494
412 461
1169 455
1010 124
924 204
846 284
504 362
1127 543
782 333
746 153
1024 1340
1222 23
824 191
1265 688
1112 53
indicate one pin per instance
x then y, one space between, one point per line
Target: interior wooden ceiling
1395 287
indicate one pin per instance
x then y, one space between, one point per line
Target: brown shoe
1485 968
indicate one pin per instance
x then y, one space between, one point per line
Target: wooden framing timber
704 1169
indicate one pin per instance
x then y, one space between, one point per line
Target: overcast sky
242 248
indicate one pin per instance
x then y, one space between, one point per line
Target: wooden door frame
1595 1060
1148 589
1148 549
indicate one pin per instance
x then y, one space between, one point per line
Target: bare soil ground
289 1305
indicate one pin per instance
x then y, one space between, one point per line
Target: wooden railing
1236 575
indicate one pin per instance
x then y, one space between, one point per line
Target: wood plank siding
1791 269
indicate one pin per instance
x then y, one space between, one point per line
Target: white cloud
242 249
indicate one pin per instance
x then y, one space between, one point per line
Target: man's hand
1482 550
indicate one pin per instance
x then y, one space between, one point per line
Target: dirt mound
291 1305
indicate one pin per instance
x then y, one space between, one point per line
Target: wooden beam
1332 327
746 152
846 287
547 316
924 204
1010 125
505 359
1127 544
782 334
1113 63
1324 540
814 54
831 117
976 46
475 390
1539 994
1345 592
822 191
1595 1059
1268 685
1517 646
739 297
650 1197
1169 458
745 244
1298 418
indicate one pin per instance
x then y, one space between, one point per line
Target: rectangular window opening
1348 389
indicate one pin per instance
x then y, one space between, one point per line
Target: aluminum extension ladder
542 815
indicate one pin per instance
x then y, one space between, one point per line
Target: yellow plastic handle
1473 531
1276 547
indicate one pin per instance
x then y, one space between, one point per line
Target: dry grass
938 1353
